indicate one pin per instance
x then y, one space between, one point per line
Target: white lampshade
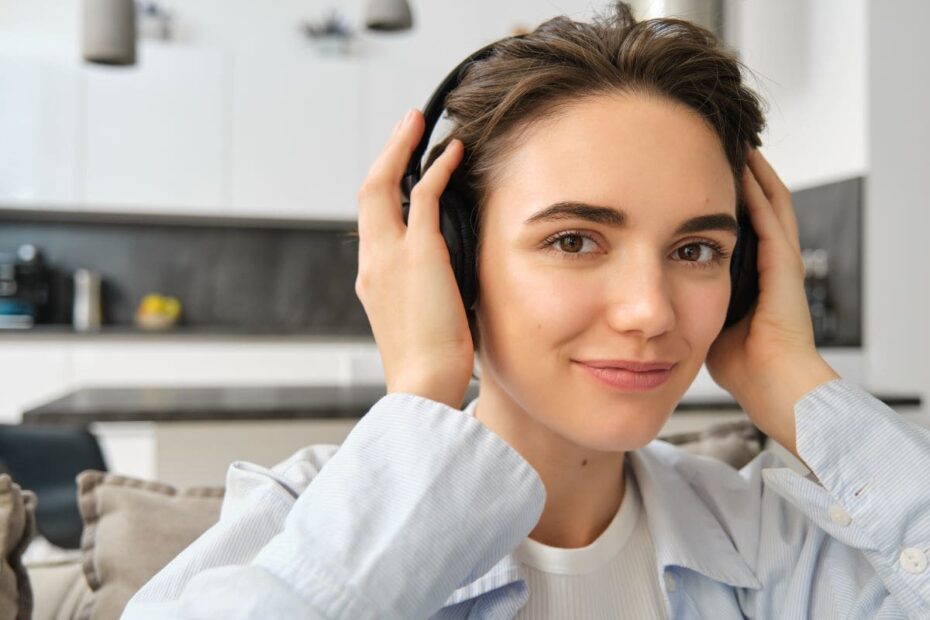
109 32
388 15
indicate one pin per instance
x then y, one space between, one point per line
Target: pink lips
627 365
629 376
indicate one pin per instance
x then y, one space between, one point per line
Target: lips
646 376
628 365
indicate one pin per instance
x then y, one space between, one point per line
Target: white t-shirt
616 576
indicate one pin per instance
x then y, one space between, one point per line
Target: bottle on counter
87 314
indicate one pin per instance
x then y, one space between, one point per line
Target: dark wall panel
254 279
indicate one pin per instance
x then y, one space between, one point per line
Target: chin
617 444
620 432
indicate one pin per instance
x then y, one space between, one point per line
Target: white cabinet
241 116
154 133
296 139
401 72
399 75
181 461
31 374
223 362
39 89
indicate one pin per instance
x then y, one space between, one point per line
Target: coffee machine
24 288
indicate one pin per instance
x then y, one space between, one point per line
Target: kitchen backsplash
252 277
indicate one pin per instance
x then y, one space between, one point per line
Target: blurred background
177 180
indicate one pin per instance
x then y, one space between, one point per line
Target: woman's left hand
768 360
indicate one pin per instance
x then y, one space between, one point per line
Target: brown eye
571 243
690 252
701 254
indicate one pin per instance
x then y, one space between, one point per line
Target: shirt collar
692 538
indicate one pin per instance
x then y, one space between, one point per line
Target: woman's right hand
405 280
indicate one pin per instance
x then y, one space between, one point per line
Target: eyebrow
618 218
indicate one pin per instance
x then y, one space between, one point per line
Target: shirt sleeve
874 464
420 499
871 494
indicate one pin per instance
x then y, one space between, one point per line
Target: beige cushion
735 443
61 591
17 528
133 528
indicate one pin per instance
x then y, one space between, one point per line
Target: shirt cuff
872 461
419 498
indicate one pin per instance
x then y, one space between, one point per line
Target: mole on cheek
584 462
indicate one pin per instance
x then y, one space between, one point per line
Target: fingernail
409 116
397 126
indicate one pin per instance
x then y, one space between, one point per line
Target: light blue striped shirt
416 515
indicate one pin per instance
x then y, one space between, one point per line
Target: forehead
657 160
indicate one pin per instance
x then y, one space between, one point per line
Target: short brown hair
562 62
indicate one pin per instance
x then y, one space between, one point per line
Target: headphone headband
434 108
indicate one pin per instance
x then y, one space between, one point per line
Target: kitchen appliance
24 288
817 288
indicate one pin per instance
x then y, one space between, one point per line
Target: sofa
134 527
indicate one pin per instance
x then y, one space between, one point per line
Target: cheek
535 306
701 309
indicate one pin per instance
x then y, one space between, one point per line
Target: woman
608 161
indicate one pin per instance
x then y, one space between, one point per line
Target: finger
394 157
424 199
777 193
379 199
761 213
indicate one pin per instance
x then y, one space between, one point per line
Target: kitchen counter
189 404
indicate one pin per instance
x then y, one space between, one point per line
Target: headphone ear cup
744 273
458 227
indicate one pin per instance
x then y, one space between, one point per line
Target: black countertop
190 404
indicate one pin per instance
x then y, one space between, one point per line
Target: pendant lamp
108 34
388 15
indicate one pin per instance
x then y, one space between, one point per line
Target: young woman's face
619 176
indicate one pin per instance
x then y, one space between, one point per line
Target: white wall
809 59
898 193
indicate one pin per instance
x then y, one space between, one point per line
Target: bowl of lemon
158 312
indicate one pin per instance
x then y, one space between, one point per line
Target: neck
584 487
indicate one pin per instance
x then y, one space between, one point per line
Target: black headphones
458 214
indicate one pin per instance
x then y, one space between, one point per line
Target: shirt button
671 584
838 515
913 560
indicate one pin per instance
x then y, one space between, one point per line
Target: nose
640 299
